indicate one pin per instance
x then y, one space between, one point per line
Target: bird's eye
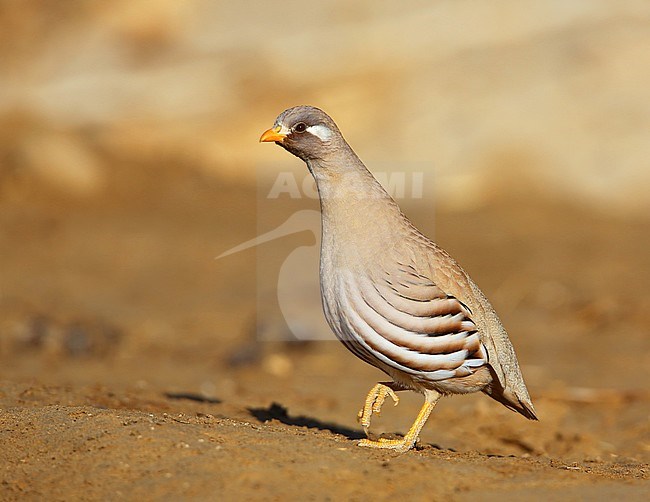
300 127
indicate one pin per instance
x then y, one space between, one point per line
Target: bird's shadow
278 412
190 396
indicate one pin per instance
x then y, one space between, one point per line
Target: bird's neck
355 208
345 185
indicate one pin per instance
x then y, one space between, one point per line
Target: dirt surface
131 367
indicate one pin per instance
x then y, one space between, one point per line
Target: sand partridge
392 296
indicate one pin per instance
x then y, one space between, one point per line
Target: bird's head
305 131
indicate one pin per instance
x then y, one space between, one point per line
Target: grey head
307 132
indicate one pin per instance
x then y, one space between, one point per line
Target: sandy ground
130 366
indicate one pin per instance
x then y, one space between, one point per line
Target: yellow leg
374 402
411 437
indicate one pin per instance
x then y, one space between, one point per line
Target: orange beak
272 135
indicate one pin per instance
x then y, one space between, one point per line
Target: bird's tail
511 401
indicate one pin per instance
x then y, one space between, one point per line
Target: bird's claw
374 402
399 445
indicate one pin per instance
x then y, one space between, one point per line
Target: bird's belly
336 313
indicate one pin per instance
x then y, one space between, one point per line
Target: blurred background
129 160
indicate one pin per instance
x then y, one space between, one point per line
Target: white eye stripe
320 131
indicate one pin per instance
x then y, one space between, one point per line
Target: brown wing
406 321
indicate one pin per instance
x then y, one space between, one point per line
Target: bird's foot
405 444
399 445
374 402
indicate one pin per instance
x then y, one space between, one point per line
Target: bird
392 296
